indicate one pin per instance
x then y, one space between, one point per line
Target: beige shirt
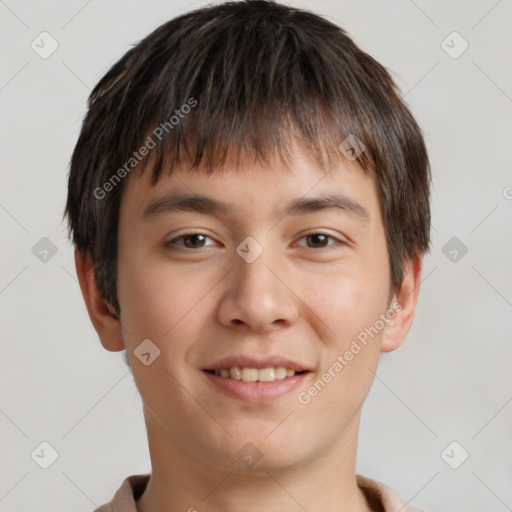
381 497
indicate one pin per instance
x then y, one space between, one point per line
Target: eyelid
172 243
339 241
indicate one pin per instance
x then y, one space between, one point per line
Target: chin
257 455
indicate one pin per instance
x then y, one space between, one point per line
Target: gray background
450 381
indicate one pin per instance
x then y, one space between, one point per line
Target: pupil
318 236
194 239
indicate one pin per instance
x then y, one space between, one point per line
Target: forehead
251 187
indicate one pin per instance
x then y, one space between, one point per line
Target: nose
258 296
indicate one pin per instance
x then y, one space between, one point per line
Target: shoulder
382 497
124 499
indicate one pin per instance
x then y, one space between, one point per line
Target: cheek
351 312
350 305
167 305
348 301
157 303
155 300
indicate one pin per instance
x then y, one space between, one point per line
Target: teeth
235 373
266 374
256 374
280 373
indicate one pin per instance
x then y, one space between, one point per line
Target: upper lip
242 361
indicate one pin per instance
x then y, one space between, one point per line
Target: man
249 202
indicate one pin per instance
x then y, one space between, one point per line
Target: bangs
249 91
242 140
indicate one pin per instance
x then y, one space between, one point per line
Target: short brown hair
254 74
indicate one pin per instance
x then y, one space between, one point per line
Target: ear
404 306
101 313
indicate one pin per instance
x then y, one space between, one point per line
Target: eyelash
172 243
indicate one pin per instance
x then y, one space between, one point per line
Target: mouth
256 379
247 374
255 385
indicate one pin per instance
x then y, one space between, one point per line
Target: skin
298 299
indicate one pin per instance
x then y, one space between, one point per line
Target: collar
379 496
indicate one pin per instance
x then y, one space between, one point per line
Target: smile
245 374
255 385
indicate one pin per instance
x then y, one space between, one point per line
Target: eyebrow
202 204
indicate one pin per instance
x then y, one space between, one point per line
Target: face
273 268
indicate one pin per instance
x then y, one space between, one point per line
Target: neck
181 482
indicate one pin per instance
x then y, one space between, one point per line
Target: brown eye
320 241
194 241
189 241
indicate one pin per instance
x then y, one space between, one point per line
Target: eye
320 240
190 241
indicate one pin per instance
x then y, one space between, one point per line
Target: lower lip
256 391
